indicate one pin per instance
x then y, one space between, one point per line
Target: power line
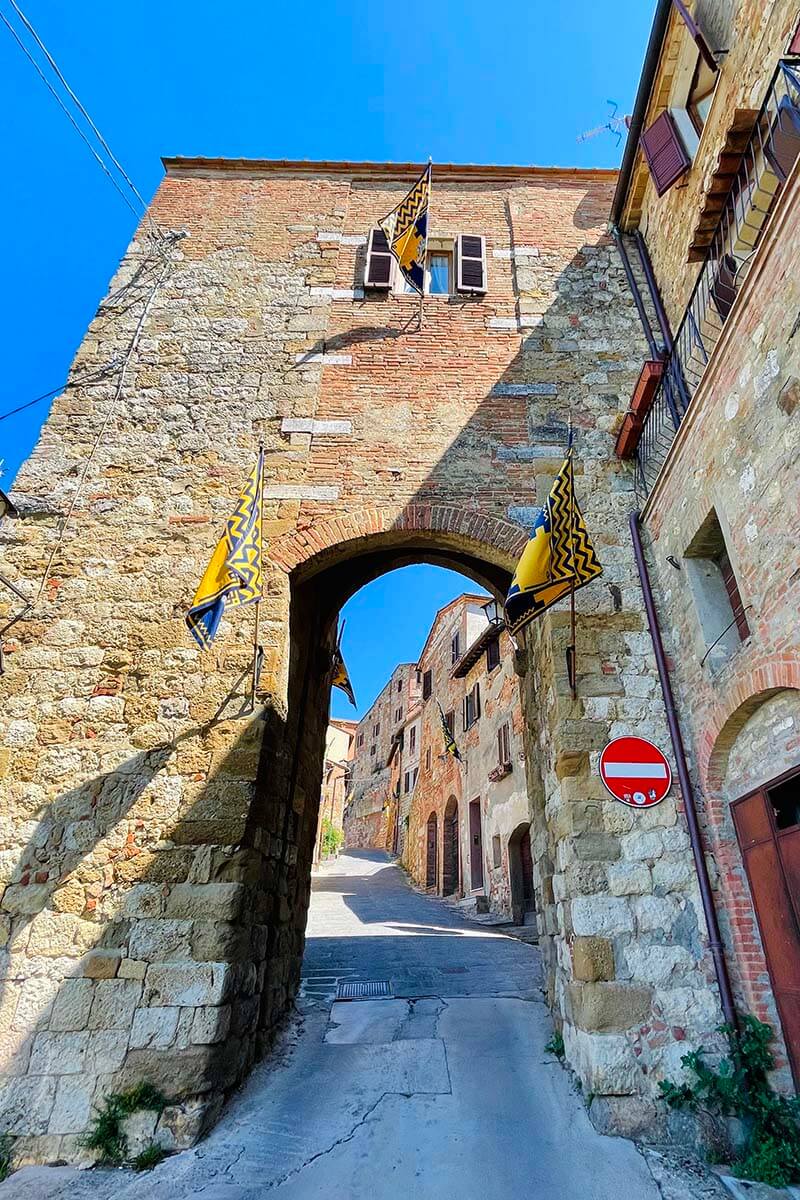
82 110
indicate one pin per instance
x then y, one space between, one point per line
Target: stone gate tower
156 845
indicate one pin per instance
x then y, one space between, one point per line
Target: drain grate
370 989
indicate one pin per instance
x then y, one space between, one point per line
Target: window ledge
500 771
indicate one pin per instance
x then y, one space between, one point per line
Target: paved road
444 1089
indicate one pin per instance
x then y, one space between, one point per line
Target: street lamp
492 610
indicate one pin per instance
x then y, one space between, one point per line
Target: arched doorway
432 852
520 870
450 854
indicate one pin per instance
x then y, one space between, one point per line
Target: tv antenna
615 125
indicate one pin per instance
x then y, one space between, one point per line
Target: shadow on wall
146 943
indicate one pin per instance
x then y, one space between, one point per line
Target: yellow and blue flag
558 558
449 741
341 679
235 574
406 229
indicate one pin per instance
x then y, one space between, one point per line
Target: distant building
462 828
339 743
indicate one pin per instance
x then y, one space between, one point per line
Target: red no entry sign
635 771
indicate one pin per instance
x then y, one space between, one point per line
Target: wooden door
768 828
450 858
475 845
431 871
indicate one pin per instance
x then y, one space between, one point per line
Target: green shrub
555 1046
105 1134
6 1146
150 1157
739 1087
332 838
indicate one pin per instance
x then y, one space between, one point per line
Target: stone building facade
157 838
336 777
368 823
719 476
467 819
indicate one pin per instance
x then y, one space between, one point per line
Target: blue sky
463 82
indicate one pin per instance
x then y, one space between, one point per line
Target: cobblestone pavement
442 1089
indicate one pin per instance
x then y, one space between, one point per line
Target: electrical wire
145 211
101 373
72 95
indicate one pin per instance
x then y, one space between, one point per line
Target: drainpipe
655 294
695 836
655 349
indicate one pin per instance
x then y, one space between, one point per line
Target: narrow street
444 1088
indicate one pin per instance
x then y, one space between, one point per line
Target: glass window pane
439 274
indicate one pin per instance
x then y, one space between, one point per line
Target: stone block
629 879
58 1053
605 1062
572 762
607 1007
132 968
160 939
211 1024
601 915
181 1125
674 874
592 959
106 1050
628 1116
114 1003
595 846
102 964
194 984
215 901
26 1103
179 1073
658 964
154 1027
73 1105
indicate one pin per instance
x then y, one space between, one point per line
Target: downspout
655 294
687 791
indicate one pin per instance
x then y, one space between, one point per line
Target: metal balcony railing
768 158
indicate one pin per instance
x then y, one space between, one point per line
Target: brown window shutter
471 262
379 261
734 595
794 44
427 684
695 33
477 694
665 152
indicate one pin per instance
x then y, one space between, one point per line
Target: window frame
493 654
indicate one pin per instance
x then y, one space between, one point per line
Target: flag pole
572 654
427 233
257 652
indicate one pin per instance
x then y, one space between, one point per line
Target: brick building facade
156 846
368 822
336 776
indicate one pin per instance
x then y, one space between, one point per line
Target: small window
428 759
455 648
472 706
504 744
398 714
438 270
414 776
412 738
361 739
785 801
372 750
493 654
427 684
399 685
407 782
378 273
701 93
715 590
376 728
497 851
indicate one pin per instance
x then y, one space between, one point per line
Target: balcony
766 161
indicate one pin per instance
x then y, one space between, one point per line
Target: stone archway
451 849
520 870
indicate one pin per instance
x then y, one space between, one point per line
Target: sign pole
572 652
258 653
425 252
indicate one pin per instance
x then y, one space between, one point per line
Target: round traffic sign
635 771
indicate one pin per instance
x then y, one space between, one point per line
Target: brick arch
490 538
744 698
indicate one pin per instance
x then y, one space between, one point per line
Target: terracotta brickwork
157 844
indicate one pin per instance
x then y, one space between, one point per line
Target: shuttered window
732 588
493 654
427 684
665 152
794 44
471 259
379 261
696 34
503 744
472 706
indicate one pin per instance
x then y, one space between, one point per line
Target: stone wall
742 430
156 847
